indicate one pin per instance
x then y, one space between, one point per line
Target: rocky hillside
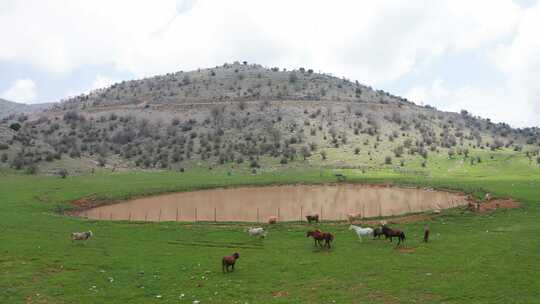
11 108
244 115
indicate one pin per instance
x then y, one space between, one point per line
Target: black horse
391 233
377 232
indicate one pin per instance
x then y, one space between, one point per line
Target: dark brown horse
312 218
319 236
229 261
426 234
391 233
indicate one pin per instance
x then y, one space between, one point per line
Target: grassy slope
490 258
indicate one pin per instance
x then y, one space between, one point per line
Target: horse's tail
403 235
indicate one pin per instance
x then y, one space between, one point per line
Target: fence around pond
286 203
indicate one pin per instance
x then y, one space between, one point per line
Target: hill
10 108
249 116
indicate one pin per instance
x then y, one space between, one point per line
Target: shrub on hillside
15 126
62 173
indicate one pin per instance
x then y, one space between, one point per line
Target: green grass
488 258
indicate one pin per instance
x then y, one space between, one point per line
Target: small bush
63 173
254 164
32 169
101 161
293 78
388 160
15 126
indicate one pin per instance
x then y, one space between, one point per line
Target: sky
482 56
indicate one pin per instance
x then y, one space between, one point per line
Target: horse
81 236
229 261
391 233
256 232
318 236
426 234
361 231
377 232
312 218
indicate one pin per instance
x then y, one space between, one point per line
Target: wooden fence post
177 214
195 214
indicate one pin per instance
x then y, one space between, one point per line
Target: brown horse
229 261
318 236
312 218
391 233
426 234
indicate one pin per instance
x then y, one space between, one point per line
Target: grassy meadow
472 258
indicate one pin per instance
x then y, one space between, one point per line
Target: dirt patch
280 294
493 204
406 250
87 203
499 204
286 203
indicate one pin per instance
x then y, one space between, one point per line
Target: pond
287 203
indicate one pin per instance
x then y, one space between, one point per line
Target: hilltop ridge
243 115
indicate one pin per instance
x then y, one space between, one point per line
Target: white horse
256 232
361 231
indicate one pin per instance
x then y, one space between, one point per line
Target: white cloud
499 103
519 60
22 90
102 82
376 42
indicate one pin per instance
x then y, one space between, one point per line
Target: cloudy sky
483 56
